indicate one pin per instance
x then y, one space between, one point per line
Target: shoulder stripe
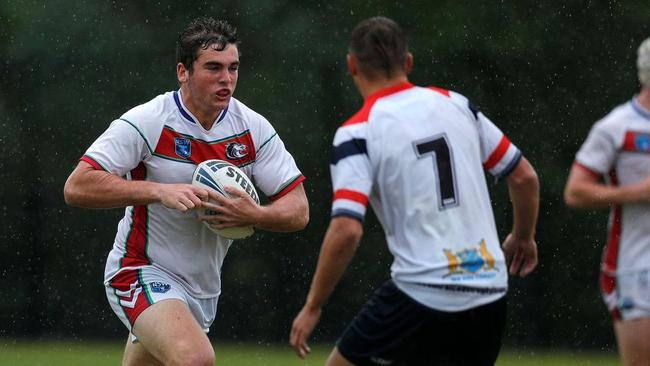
140 132
347 194
442 91
362 115
267 141
348 148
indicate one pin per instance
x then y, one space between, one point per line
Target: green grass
23 353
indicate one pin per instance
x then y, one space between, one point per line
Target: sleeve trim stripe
511 165
586 169
140 132
346 194
88 159
498 153
348 213
288 187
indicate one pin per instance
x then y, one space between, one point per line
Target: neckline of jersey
188 116
639 108
372 98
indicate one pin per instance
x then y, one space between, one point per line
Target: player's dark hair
380 45
203 33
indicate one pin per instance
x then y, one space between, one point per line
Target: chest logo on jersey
637 142
470 261
183 147
236 151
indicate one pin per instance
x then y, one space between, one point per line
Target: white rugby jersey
162 141
618 148
418 155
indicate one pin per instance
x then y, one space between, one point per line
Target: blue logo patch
183 147
642 142
159 287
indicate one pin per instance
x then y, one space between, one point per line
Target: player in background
418 155
163 274
618 149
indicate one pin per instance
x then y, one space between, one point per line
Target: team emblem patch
236 151
470 261
642 142
159 287
183 147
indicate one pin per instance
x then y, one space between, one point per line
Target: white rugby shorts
131 291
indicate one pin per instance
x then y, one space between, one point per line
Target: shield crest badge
183 147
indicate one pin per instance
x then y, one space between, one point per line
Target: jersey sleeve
351 172
119 149
275 171
598 152
499 156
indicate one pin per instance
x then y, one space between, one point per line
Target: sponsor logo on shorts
159 287
183 147
470 261
626 303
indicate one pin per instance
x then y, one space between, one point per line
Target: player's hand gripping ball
215 175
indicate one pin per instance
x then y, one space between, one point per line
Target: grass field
21 353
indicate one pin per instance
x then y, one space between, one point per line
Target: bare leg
168 334
633 338
135 354
336 359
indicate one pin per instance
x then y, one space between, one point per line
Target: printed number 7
443 167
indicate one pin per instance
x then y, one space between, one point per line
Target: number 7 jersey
418 155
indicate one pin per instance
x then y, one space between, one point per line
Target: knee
193 356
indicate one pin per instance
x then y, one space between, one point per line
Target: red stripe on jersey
586 169
610 254
202 150
442 91
498 153
362 115
288 188
134 301
137 238
346 194
92 162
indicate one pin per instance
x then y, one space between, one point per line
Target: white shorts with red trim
132 291
629 298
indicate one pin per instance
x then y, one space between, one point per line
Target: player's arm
286 214
338 248
585 190
520 247
93 188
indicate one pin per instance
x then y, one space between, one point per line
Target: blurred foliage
543 71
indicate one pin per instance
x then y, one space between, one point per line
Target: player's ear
182 74
409 63
353 68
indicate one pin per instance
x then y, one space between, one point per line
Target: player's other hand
521 255
301 329
237 210
181 197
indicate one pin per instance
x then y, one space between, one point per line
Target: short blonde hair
643 63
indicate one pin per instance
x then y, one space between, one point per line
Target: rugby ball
215 175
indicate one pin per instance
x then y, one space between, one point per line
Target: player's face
212 81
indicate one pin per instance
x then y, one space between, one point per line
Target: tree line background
542 71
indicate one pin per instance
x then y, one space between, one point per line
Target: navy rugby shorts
393 329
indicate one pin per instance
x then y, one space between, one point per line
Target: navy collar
187 115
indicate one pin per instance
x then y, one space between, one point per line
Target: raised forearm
289 213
